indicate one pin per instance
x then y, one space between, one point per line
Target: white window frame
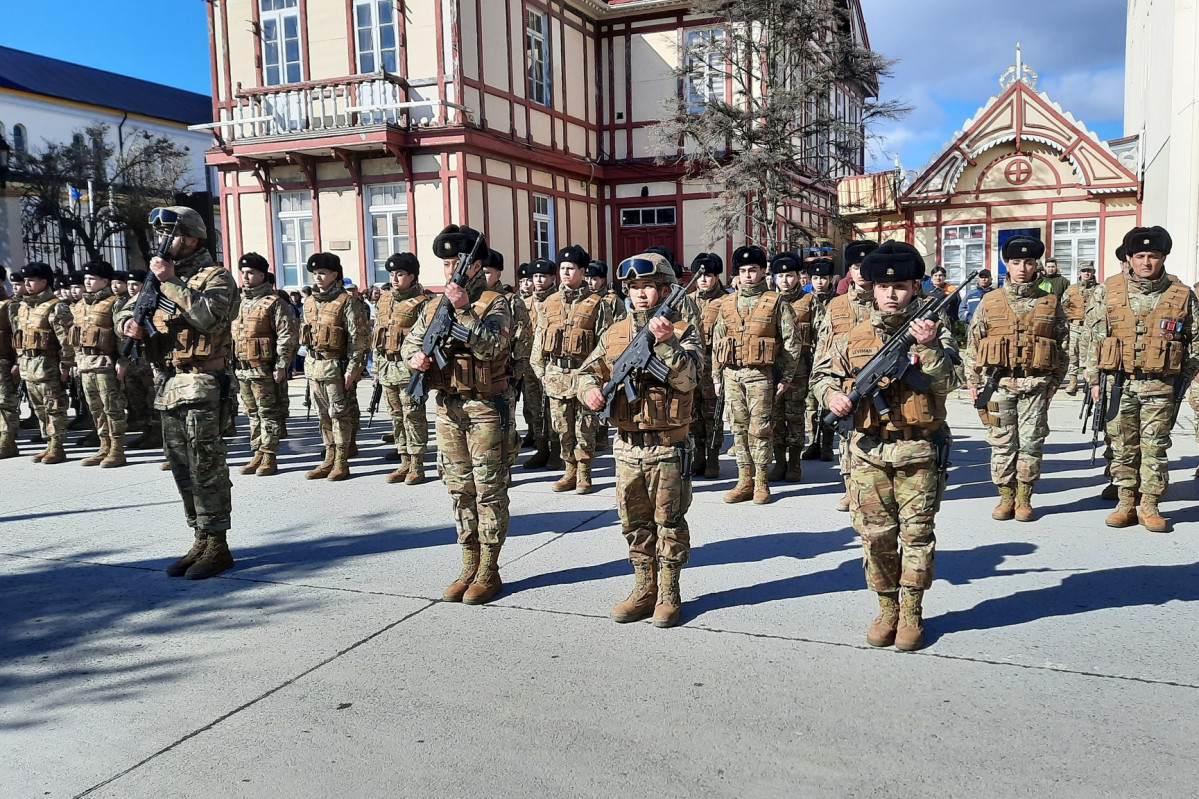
537 57
963 238
543 226
292 208
274 16
375 32
20 139
1072 241
706 76
393 211
656 212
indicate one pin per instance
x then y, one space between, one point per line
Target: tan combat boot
1125 514
666 612
38 458
341 464
216 559
470 565
116 451
416 470
843 503
55 452
910 635
325 466
640 602
1151 517
1072 387
761 487
180 567
882 630
540 456
101 454
568 481
269 465
712 467
1024 511
745 485
1006 509
583 478
252 466
794 465
487 581
399 474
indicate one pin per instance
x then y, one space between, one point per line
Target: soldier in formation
45 356
542 278
99 363
140 381
10 409
820 270
1075 302
707 431
790 407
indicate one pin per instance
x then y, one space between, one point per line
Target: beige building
362 127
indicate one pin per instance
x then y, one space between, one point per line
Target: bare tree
773 106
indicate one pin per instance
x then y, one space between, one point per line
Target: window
705 68
294 232
375 21
1075 240
387 221
963 250
543 227
280 41
537 43
639 217
19 139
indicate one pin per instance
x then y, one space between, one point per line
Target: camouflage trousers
139 392
1075 347
106 401
1193 399
475 454
653 493
10 407
1140 439
789 418
811 416
334 410
749 403
48 399
284 391
260 395
534 404
353 410
1020 423
409 423
191 436
576 426
704 424
892 507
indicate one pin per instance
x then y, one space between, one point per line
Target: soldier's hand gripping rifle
988 389
891 364
373 408
150 298
443 326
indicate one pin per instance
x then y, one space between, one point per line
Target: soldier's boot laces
487 581
180 567
1006 509
341 464
882 629
252 466
568 481
269 465
101 453
416 470
666 612
540 456
745 485
583 478
216 559
1125 514
55 452
778 472
761 487
555 462
325 466
1024 511
116 450
1151 517
1111 492
712 468
1072 388
826 444
401 473
910 634
644 596
794 466
470 566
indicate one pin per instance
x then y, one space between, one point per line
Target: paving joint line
557 537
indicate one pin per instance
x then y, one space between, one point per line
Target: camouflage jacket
559 381
286 330
1020 297
100 362
861 302
490 335
788 355
46 367
522 328
397 372
357 327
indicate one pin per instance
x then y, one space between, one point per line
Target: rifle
308 400
891 364
443 327
988 389
717 436
376 395
1098 411
1180 392
150 298
1088 407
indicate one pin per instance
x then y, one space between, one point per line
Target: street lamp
5 154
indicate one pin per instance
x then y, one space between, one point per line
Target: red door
633 240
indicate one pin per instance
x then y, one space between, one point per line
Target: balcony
867 195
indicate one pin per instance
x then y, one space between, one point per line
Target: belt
566 363
652 438
96 351
189 369
325 356
394 357
905 433
249 365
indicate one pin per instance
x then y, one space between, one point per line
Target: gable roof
50 77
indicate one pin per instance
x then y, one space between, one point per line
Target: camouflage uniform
396 314
42 340
812 410
1075 302
10 409
533 391
96 344
265 339
790 410
340 351
705 427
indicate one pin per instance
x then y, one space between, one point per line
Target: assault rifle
1088 407
1180 392
376 396
988 389
891 364
717 437
1098 412
443 326
150 298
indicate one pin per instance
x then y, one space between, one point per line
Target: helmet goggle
635 267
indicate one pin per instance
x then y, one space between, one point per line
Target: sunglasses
635 267
163 217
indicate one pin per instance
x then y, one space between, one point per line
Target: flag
75 194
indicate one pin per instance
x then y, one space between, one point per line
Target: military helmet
647 266
187 221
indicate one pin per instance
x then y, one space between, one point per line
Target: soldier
1075 302
120 285
10 406
99 363
569 324
395 316
1016 343
74 287
820 268
364 333
755 352
542 275
265 339
788 417
653 481
139 383
596 275
707 431
897 465
1142 337
476 437
45 357
332 331
524 281
196 345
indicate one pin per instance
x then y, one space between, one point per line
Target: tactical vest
207 350
1019 341
464 374
658 406
324 328
393 320
93 329
7 352
1150 342
256 339
1076 302
909 408
842 314
804 309
753 341
570 334
707 320
34 331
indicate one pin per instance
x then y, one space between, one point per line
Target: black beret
596 269
752 254
785 262
1022 247
73 279
121 274
522 272
138 275
710 262
404 262
61 282
818 267
454 241
891 262
324 260
542 266
1146 239
662 250
495 260
1121 254
253 260
98 269
574 254
856 251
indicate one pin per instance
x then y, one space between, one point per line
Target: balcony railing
334 106
867 195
